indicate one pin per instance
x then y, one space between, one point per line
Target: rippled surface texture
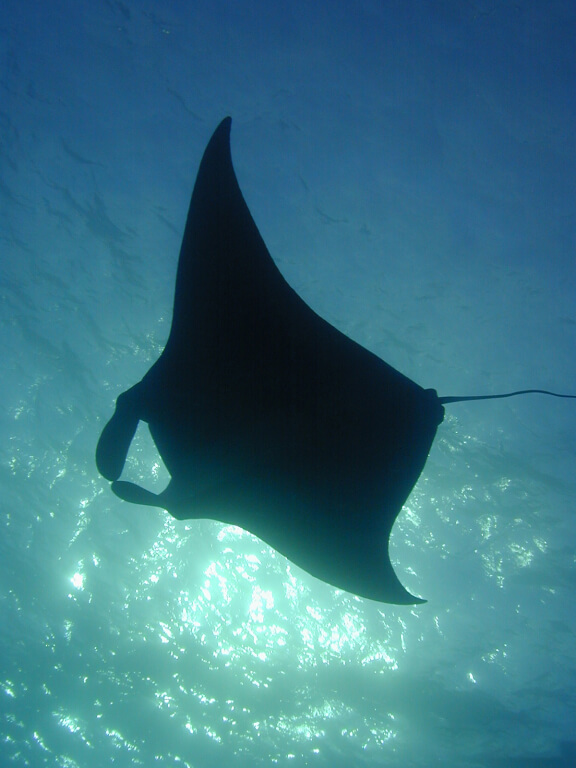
411 167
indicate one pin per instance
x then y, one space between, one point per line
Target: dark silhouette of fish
265 415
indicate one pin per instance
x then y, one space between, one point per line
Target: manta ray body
265 415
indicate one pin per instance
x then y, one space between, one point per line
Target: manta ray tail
458 399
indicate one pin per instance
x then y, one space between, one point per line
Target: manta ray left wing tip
222 131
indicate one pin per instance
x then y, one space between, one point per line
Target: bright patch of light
40 741
230 530
314 612
119 741
69 723
78 580
522 556
164 699
488 525
261 600
166 630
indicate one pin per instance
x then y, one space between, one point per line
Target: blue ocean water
412 168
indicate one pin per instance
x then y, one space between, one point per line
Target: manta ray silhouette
265 415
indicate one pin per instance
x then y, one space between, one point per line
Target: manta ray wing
266 416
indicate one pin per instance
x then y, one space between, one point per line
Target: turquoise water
411 166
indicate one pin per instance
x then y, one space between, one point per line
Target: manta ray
265 415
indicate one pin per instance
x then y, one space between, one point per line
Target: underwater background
411 166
